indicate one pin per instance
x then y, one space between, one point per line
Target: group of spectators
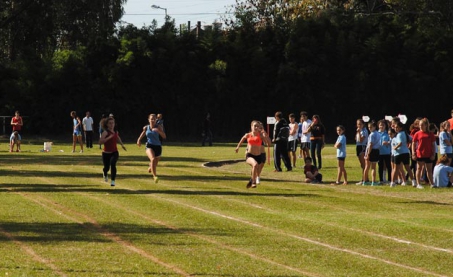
423 153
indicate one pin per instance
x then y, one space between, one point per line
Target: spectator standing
88 125
17 122
292 139
207 131
423 150
280 140
306 134
340 145
317 140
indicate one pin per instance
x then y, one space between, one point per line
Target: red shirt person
17 122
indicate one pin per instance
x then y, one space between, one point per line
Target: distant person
443 173
207 130
372 154
311 172
317 140
76 132
110 155
153 144
340 145
292 139
423 149
450 120
305 145
253 157
15 139
446 141
280 140
361 139
88 125
401 155
100 129
160 121
384 164
263 152
17 122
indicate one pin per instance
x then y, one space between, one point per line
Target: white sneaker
413 183
420 187
359 183
392 185
257 180
106 178
81 151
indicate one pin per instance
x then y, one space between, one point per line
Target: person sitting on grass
443 173
14 139
311 172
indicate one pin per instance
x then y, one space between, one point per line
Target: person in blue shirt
153 144
340 145
372 154
384 166
361 138
443 173
402 156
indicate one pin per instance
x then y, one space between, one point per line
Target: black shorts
305 145
359 149
263 158
256 158
425 160
292 145
374 156
402 158
157 149
341 158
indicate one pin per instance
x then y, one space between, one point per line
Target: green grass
58 218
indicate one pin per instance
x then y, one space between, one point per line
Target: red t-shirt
424 144
17 120
110 145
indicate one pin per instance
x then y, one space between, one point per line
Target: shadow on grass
106 189
74 232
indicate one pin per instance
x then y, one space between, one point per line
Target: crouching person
14 140
311 172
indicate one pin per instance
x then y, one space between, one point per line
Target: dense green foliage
340 61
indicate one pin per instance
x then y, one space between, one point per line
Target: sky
139 12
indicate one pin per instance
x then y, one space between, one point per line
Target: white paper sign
366 118
271 120
403 118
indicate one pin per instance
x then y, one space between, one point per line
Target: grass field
59 218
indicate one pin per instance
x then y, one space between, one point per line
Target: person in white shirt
87 123
306 134
292 138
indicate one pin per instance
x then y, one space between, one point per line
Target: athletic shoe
392 185
106 178
375 184
335 184
156 179
253 186
112 184
434 187
249 184
359 183
81 151
366 183
257 180
420 187
413 183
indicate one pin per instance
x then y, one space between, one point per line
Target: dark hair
383 121
372 123
303 113
308 159
341 127
279 114
291 115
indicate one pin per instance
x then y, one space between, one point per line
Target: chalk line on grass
29 250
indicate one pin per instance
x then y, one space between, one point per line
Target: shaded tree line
341 61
